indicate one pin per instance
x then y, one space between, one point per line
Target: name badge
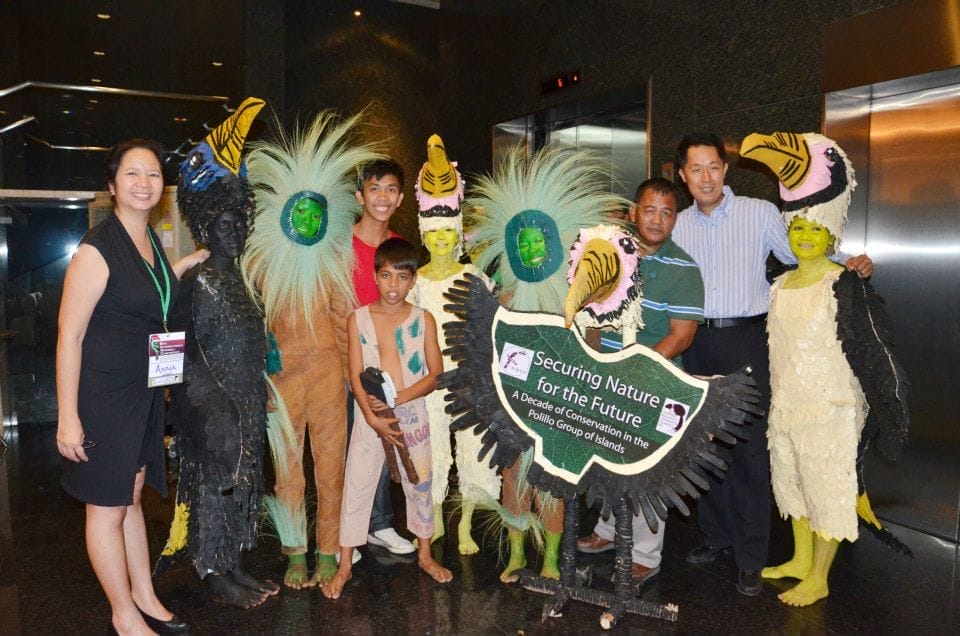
165 358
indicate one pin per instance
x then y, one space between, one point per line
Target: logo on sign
672 416
515 361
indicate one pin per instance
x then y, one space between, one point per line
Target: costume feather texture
568 186
323 158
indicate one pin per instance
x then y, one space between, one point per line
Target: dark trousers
382 515
735 512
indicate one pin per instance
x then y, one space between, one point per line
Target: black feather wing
473 400
866 336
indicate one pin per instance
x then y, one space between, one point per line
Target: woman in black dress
118 290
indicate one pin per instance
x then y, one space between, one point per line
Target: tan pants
316 399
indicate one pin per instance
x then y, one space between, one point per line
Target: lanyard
163 293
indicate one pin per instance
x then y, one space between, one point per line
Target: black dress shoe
172 626
749 582
705 554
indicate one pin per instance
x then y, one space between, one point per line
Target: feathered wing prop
557 193
475 402
866 337
297 271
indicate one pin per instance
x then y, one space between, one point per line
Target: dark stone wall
729 67
384 63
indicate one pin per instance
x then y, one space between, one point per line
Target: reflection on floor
47 587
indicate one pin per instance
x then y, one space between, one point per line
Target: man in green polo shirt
672 309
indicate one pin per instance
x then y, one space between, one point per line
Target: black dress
119 413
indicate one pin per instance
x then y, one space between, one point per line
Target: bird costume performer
299 260
220 409
439 191
836 386
525 219
527 216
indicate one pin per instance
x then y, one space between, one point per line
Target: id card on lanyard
164 349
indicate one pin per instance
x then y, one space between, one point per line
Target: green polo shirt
672 288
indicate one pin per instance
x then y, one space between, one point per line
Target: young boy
379 192
401 340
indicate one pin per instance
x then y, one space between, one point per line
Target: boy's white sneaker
389 539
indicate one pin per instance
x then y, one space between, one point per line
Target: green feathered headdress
546 199
300 251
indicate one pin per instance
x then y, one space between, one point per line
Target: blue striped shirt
731 247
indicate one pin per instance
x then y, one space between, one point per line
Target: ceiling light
99 53
357 13
95 80
181 120
217 64
92 101
65 112
103 16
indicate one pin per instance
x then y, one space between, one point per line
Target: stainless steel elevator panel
904 139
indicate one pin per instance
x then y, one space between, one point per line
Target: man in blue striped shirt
730 238
672 307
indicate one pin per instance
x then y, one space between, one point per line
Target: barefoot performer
831 365
392 335
439 193
219 412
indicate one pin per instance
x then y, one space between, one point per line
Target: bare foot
467 544
550 570
807 592
518 558
334 587
792 569
439 573
242 577
511 573
225 590
326 569
296 575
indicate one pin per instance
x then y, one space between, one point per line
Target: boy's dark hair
398 252
115 156
378 169
659 185
699 139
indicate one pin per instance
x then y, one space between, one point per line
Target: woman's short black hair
399 253
115 156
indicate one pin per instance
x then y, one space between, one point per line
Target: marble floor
47 587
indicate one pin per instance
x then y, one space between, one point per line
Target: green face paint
532 246
304 218
808 240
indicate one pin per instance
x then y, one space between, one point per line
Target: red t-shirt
363 282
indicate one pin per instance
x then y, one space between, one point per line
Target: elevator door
904 137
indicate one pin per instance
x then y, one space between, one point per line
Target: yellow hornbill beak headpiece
439 192
212 178
604 278
226 140
816 178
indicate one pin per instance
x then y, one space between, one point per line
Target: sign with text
623 410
